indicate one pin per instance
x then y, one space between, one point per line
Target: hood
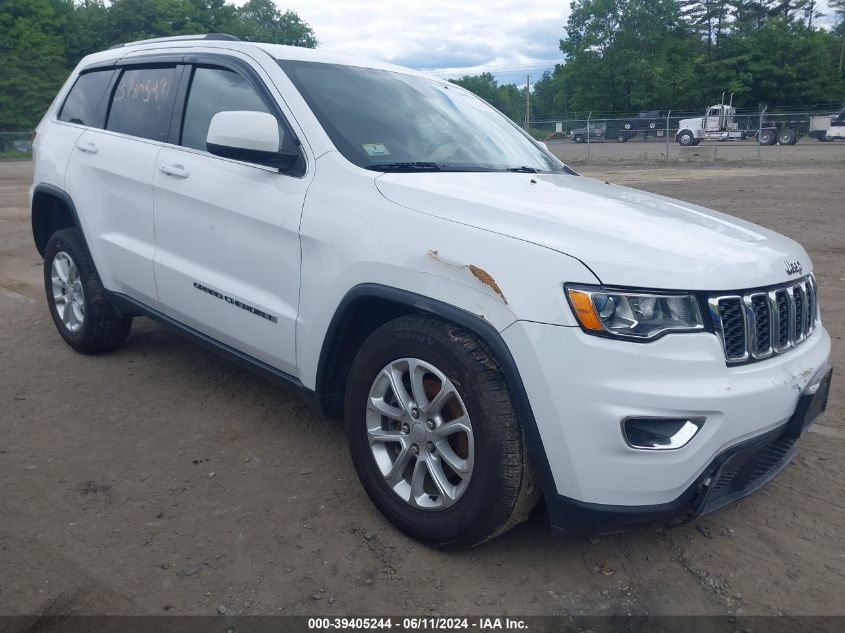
625 236
687 124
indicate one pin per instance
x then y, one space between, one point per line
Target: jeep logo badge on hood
792 268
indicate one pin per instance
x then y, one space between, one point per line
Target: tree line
617 56
42 40
638 55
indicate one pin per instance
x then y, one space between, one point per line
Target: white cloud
507 37
510 38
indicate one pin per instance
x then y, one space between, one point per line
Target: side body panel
228 256
352 235
109 178
52 150
228 251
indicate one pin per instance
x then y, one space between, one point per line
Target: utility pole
839 5
527 102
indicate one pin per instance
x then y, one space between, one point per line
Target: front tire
78 304
434 436
686 138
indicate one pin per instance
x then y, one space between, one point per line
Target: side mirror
249 136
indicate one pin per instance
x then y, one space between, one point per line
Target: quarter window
216 90
83 102
143 102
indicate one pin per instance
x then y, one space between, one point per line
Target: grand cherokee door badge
236 302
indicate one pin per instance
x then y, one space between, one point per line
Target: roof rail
178 38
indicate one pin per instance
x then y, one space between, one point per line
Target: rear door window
142 103
84 101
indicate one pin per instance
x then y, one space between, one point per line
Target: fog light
660 434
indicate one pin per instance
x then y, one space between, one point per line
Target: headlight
632 314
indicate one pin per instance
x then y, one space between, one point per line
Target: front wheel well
350 327
367 307
50 212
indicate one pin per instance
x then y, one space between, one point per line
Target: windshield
389 121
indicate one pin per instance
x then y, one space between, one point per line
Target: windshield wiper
524 170
406 166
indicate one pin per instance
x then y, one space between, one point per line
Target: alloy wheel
68 294
420 434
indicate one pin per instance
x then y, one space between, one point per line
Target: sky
510 38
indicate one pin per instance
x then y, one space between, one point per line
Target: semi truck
720 123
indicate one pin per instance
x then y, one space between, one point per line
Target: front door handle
177 171
88 147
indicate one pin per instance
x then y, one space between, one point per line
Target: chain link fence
16 145
719 133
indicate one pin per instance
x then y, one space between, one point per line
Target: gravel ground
161 479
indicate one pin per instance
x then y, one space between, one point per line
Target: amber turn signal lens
584 309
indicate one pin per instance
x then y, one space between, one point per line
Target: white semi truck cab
717 124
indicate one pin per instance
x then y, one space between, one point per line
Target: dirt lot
162 479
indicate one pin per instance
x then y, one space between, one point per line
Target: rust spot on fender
479 273
487 279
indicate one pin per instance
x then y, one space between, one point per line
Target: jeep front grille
761 323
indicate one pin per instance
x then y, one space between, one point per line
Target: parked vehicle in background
717 124
491 326
650 123
600 132
828 128
720 123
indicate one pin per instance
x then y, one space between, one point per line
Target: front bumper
580 387
735 473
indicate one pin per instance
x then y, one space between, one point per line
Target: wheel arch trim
60 194
475 324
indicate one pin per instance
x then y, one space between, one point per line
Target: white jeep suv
491 326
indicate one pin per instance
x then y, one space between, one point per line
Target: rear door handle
177 171
88 147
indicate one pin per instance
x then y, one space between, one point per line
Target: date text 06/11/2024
417 624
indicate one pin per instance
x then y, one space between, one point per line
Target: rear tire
787 137
768 137
496 490
621 139
76 298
